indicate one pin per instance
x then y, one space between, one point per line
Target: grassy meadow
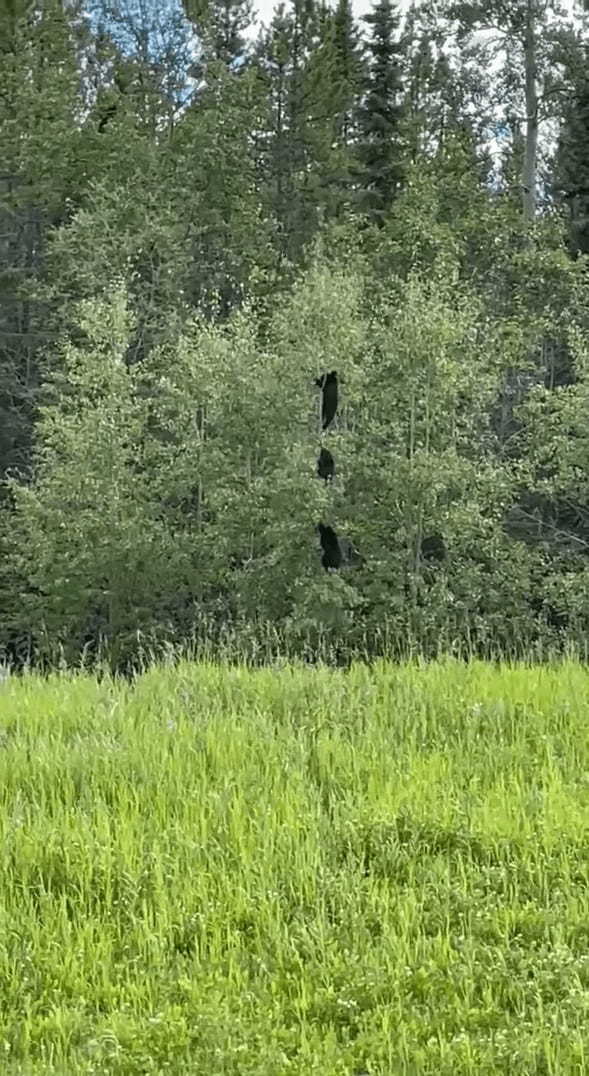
214 870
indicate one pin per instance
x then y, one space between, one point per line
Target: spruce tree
310 62
572 163
334 79
380 150
276 58
223 26
348 69
39 85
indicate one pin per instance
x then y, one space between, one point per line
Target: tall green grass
224 871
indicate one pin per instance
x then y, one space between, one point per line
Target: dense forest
200 218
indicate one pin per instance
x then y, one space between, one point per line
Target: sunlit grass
224 871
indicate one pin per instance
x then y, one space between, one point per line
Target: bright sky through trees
361 7
265 8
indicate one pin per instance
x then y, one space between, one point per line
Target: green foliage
347 73
38 143
183 487
381 152
83 535
183 223
222 26
556 453
191 231
311 64
572 170
204 454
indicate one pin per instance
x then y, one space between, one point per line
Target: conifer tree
572 162
348 69
38 137
334 80
311 64
222 26
380 151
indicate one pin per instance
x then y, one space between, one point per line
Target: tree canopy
199 219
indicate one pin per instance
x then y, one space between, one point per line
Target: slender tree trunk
529 169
